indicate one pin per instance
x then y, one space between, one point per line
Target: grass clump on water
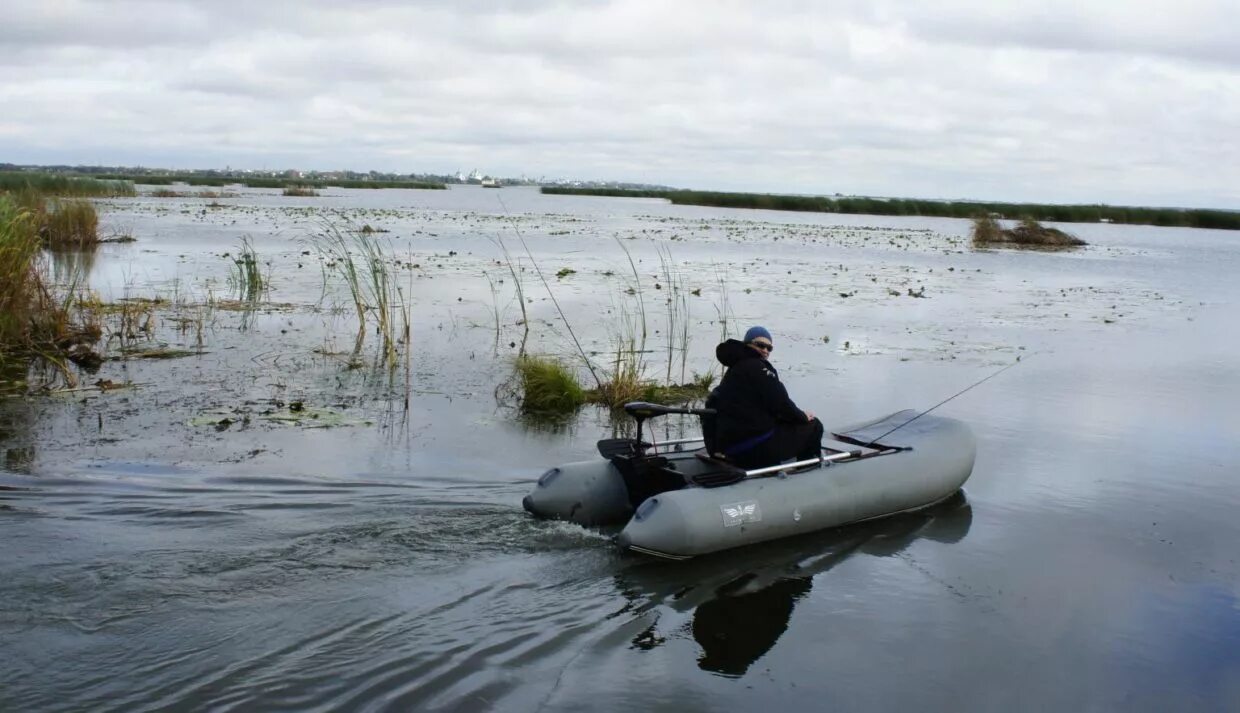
1029 233
300 191
70 225
548 386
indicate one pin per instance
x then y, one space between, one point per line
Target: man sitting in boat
756 424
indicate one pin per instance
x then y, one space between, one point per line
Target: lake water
170 546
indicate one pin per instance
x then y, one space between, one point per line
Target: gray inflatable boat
677 501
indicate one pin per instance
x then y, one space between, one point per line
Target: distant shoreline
1163 217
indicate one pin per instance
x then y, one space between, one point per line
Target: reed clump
300 191
360 262
23 297
70 225
33 320
1028 233
246 274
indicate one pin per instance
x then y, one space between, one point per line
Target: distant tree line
192 180
1171 217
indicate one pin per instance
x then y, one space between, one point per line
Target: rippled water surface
170 546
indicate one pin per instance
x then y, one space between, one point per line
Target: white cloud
1053 100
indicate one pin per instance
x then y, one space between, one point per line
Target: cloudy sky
1130 101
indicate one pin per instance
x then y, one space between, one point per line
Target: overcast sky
1131 101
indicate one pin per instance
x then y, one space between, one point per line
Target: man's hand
809 415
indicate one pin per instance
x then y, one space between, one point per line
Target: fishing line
874 441
551 294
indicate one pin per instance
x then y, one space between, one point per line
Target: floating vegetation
300 191
158 353
295 414
1029 233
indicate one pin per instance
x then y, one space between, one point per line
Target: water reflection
71 267
743 600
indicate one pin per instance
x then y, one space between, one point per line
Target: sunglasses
763 346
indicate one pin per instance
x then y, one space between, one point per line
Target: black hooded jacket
749 400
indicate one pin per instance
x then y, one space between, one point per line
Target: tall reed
246 273
22 293
359 262
71 225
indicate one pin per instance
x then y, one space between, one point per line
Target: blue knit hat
755 332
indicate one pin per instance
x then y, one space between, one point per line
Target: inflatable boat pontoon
678 501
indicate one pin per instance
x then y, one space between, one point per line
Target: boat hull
934 459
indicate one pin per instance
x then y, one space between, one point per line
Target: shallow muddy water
188 542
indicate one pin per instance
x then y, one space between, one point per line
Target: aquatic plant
1170 217
1029 233
677 304
70 225
246 274
300 191
61 185
35 320
547 386
359 261
22 294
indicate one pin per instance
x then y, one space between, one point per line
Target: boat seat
723 473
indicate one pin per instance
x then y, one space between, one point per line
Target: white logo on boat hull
738 513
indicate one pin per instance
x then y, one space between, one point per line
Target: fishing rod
976 384
517 229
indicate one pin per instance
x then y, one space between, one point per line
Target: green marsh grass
59 185
1170 217
548 386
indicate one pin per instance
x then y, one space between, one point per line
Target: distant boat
489 182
